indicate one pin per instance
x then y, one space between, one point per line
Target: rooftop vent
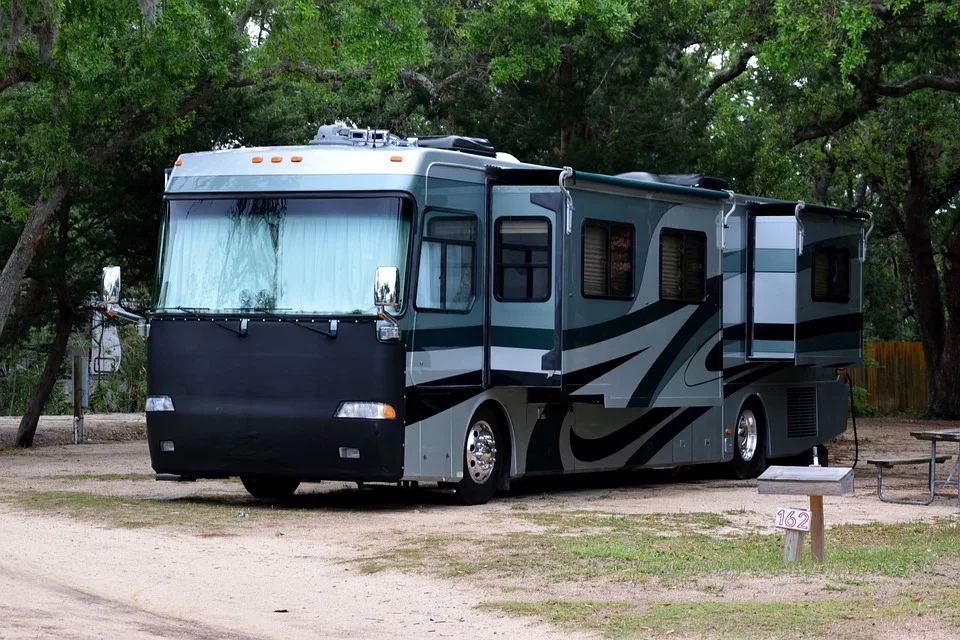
476 146
679 179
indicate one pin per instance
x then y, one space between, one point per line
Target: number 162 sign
795 519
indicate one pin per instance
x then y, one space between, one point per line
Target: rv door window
682 259
831 274
522 267
447 259
607 259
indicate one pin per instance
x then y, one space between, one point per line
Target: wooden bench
889 463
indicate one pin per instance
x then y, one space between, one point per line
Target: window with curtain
447 258
282 255
831 274
607 259
683 255
522 266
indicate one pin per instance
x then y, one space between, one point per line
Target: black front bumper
303 447
264 403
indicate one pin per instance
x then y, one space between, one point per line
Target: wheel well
754 402
501 413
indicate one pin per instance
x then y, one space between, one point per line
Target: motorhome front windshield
280 255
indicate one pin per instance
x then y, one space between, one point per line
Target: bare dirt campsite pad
94 547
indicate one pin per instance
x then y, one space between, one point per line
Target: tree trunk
51 373
26 246
568 81
929 302
946 402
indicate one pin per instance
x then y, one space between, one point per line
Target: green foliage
22 365
861 402
124 390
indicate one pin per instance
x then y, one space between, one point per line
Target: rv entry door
523 341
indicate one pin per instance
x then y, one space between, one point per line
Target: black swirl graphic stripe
581 377
593 449
665 436
586 336
646 391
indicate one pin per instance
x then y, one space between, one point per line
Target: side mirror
110 291
386 292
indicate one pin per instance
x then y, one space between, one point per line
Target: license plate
795 519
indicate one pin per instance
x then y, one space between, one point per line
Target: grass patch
664 523
674 549
411 556
10 450
136 513
835 618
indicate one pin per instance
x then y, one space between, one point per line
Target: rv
370 308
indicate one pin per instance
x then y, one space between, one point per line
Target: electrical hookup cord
853 416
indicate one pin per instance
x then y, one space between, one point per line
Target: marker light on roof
178 162
276 159
396 158
256 159
296 158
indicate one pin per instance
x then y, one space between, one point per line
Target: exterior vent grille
802 412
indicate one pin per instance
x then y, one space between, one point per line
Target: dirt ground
300 577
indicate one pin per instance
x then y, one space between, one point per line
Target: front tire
269 487
750 443
484 458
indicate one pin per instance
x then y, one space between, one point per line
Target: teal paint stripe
445 338
773 346
830 342
522 337
735 262
775 261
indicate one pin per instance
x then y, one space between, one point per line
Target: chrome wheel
481 453
747 435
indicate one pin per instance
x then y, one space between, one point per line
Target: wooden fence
899 383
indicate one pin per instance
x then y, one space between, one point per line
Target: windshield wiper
196 314
330 334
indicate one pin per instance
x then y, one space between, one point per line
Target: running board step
172 477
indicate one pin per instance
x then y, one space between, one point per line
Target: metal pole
77 400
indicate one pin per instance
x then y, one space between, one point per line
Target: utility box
815 482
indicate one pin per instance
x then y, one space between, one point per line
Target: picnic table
933 436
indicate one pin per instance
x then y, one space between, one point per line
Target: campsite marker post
815 482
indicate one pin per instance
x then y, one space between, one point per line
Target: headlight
366 410
389 332
160 403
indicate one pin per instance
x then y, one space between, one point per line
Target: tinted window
447 258
607 259
522 266
831 274
682 260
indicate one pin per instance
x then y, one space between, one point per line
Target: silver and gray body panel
587 384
